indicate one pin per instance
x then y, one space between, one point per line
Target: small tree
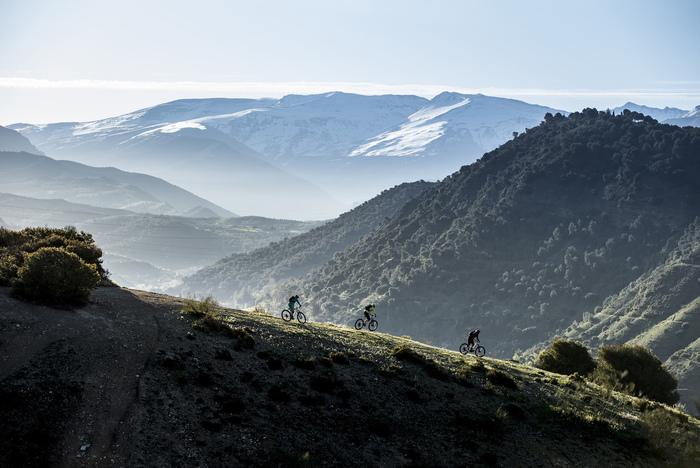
566 357
637 371
53 276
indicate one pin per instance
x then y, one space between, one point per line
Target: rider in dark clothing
369 310
292 301
473 335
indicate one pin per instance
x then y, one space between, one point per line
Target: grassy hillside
129 381
660 311
243 278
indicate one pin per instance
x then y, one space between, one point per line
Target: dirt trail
102 350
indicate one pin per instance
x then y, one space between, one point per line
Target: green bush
636 371
497 377
566 357
55 277
406 353
203 308
16 245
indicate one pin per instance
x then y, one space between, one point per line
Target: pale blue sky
88 59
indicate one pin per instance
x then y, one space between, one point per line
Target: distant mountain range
152 232
150 251
38 176
305 157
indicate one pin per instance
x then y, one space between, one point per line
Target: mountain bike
288 315
478 350
371 326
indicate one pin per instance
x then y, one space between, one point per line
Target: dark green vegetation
56 267
538 236
566 357
659 311
626 368
635 370
242 279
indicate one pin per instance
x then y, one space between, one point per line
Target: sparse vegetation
360 385
199 308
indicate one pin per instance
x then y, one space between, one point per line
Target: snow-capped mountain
689 119
459 120
660 115
190 155
303 156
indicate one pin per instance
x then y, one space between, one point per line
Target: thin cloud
689 92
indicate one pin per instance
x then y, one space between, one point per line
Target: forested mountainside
525 241
241 279
660 311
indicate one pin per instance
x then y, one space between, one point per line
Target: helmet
297 296
477 330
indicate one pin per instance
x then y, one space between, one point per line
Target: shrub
339 358
406 353
15 245
566 357
307 364
668 436
195 308
479 365
636 371
53 276
500 378
325 383
278 395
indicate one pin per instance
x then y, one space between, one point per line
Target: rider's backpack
292 299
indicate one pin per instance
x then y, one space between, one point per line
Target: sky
84 60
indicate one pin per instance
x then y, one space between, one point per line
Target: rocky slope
127 381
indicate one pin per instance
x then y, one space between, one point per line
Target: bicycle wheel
286 315
479 351
373 324
464 348
301 317
359 324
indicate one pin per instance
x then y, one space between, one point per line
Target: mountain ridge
309 137
40 176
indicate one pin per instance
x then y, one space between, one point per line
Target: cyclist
473 335
369 310
293 300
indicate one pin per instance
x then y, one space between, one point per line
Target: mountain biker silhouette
369 310
292 301
473 335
